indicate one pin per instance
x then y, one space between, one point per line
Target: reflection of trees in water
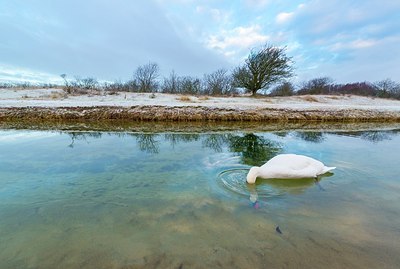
376 136
318 137
82 136
315 137
254 149
216 141
373 136
175 139
148 142
281 134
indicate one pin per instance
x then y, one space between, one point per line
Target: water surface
179 200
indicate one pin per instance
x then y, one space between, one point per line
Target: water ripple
234 180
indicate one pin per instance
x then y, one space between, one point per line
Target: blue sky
346 40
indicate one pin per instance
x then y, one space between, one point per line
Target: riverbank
191 113
36 105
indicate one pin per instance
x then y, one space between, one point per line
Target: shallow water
168 200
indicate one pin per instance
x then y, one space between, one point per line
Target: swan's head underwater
252 175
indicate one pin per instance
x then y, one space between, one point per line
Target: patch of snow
53 98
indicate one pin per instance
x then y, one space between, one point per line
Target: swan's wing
292 166
287 172
293 162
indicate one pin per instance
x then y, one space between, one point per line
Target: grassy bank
189 113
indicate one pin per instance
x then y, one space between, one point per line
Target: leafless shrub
190 85
81 86
118 86
322 85
218 83
285 89
387 89
146 77
171 84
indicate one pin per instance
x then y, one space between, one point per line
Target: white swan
288 166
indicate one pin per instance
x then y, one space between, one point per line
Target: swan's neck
253 174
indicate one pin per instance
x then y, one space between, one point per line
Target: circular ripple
234 180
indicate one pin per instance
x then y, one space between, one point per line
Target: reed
194 113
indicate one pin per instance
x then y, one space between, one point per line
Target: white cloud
369 60
293 46
326 17
316 32
300 6
363 43
234 40
217 15
353 44
284 17
11 74
257 3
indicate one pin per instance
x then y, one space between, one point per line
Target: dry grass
184 98
192 113
309 98
203 98
55 95
58 95
334 97
113 93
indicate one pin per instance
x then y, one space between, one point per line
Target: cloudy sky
355 40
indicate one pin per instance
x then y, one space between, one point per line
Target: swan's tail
327 169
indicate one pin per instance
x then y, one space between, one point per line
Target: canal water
179 200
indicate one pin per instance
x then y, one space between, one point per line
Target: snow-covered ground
57 98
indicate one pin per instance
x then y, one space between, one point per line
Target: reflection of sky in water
24 136
119 200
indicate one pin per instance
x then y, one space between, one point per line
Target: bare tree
263 68
320 85
218 83
89 83
171 84
146 77
64 77
387 89
189 85
67 86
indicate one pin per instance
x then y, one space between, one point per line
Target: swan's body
288 166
